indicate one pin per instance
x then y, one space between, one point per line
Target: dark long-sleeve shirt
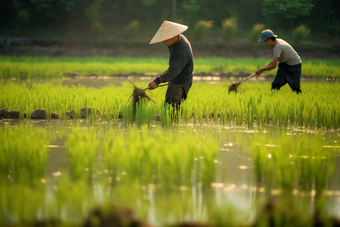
181 64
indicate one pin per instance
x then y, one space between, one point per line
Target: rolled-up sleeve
175 67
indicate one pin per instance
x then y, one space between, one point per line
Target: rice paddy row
58 67
175 169
318 105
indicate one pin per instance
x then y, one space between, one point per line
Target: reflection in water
236 173
235 183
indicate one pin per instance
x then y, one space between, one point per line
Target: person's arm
270 66
176 66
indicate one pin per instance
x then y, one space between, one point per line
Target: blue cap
266 34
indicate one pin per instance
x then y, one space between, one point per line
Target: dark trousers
290 74
176 93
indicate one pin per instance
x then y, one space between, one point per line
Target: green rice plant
65 203
58 67
23 153
229 28
166 174
165 114
153 157
291 163
316 107
82 148
256 32
72 200
201 28
144 112
300 33
12 198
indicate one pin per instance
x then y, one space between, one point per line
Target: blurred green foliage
132 28
321 16
256 31
23 20
287 8
201 28
300 33
229 28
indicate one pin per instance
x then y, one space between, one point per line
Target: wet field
231 168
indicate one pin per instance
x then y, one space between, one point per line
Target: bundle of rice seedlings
137 94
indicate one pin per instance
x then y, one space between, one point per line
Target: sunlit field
249 158
86 142
58 67
61 171
318 105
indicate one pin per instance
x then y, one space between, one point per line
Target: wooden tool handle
249 77
160 85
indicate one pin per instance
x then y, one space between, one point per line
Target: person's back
286 53
182 51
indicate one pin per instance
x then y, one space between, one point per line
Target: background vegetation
99 17
58 67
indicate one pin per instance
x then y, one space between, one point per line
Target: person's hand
258 72
152 85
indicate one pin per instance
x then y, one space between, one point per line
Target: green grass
58 67
318 105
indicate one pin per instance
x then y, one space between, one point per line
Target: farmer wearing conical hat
181 62
289 62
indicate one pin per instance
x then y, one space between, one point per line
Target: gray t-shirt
286 53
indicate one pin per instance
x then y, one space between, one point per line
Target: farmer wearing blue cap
289 62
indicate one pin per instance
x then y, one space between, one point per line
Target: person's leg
279 79
295 88
174 95
294 77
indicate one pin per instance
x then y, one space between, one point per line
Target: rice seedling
58 67
316 107
137 95
295 164
23 154
155 156
166 174
82 148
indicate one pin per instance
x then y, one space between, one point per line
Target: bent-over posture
289 62
181 62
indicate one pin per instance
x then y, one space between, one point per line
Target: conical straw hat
168 30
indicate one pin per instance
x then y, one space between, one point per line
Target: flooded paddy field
244 159
206 173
